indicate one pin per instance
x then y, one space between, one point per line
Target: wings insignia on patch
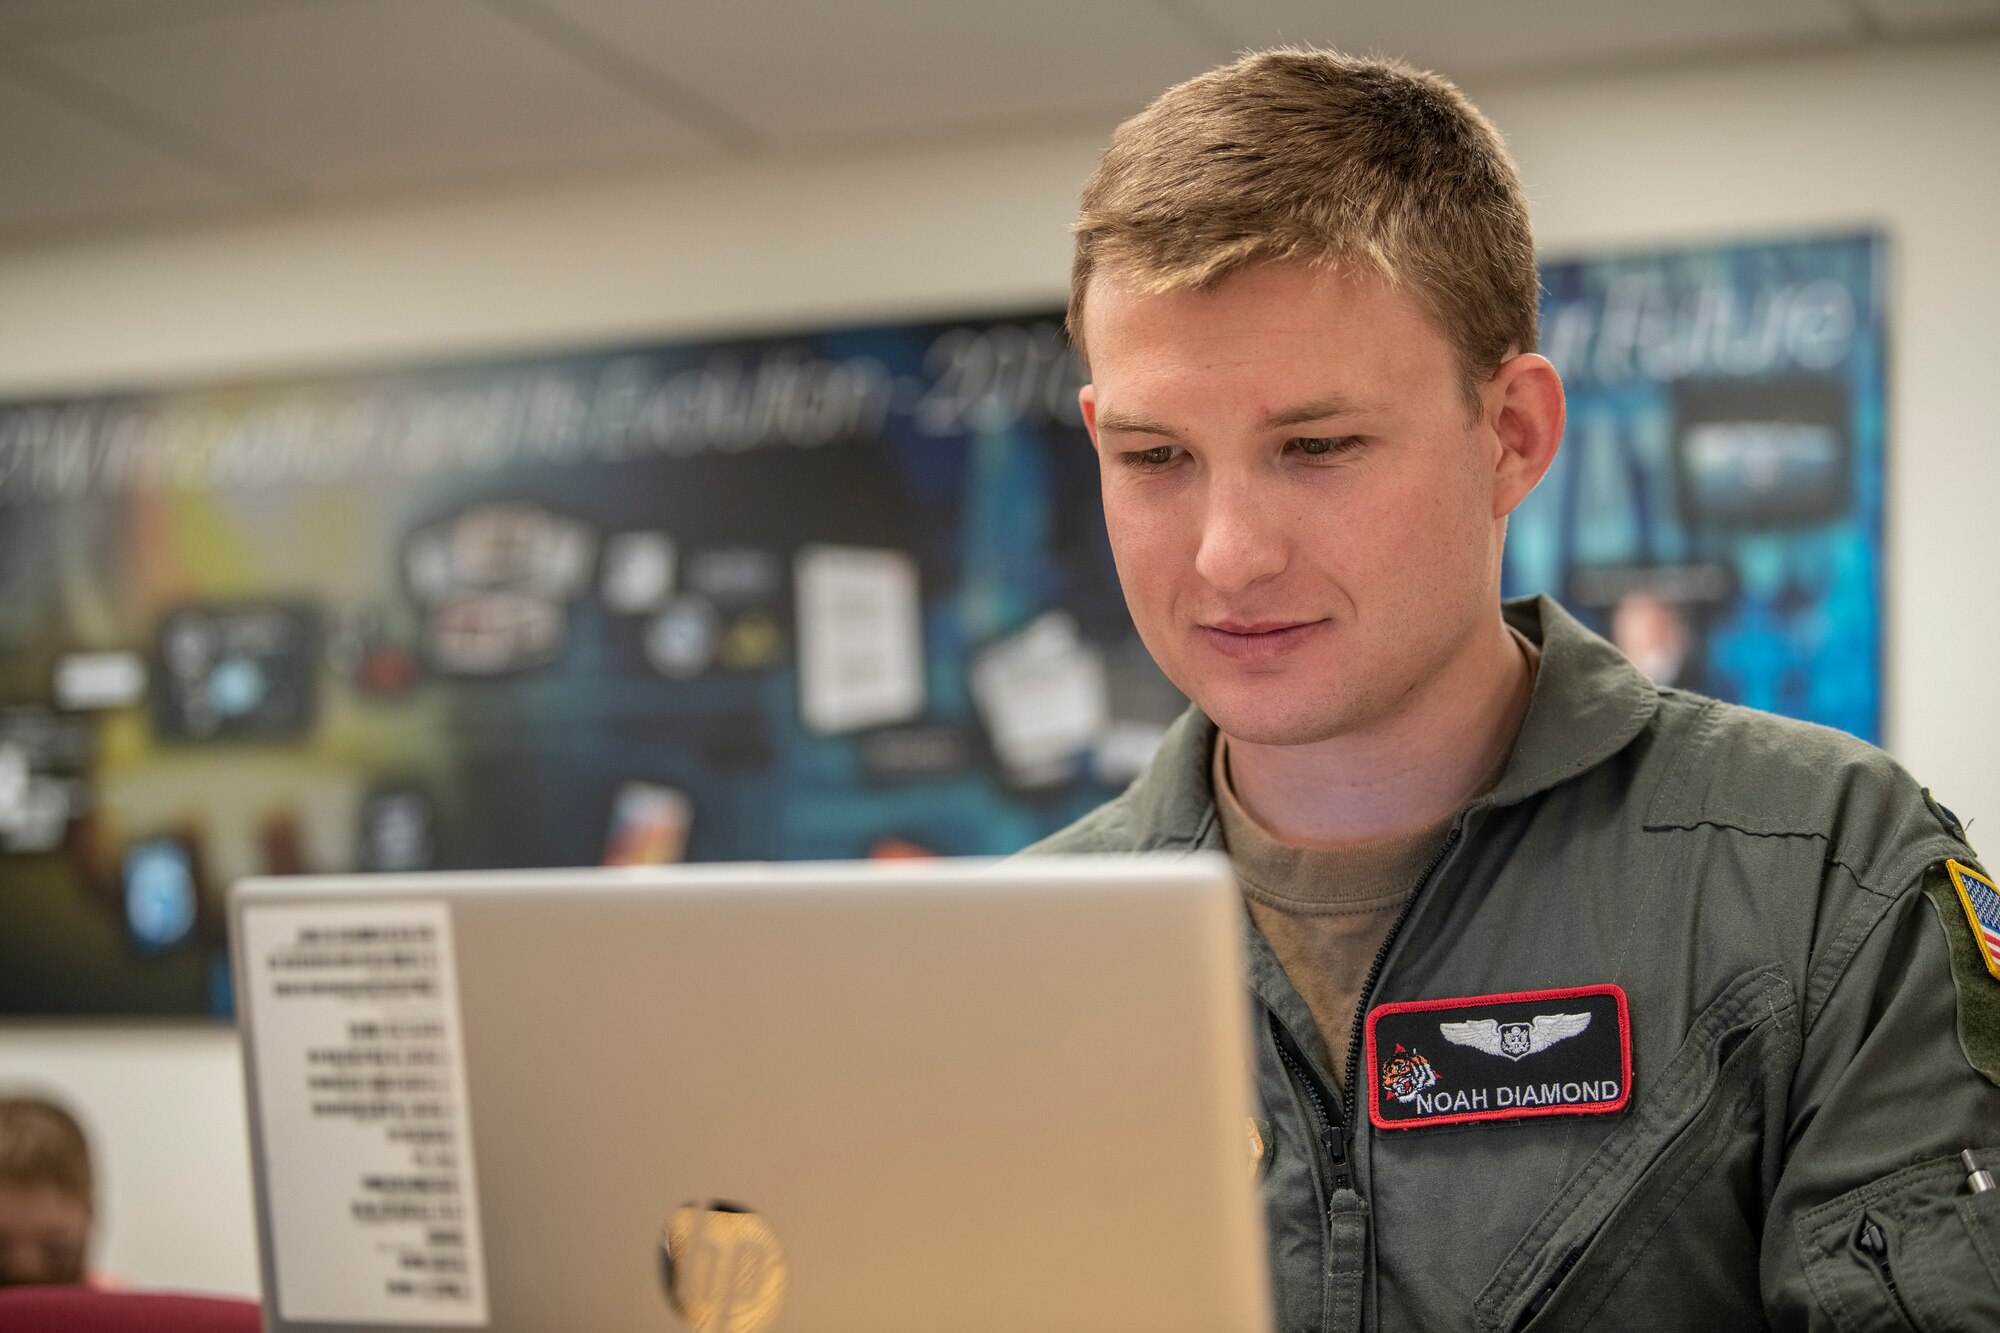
1515 1041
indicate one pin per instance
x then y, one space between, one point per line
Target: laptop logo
722 1267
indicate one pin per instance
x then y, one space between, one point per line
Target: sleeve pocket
1912 1250
1981 1215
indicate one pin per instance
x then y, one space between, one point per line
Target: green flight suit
1809 1023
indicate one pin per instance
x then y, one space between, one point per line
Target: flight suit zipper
1547 1291
1346 1211
1328 1126
1382 953
1344 1227
1871 1241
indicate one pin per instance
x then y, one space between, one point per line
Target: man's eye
1318 446
1158 456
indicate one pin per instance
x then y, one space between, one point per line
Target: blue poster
1716 509
834 595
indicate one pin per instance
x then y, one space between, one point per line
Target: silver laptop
943 1096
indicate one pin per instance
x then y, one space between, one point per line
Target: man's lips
1256 640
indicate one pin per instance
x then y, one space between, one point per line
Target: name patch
1499 1057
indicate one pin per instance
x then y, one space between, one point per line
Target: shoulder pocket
1702 1110
1913 1250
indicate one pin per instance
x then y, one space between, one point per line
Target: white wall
1899 139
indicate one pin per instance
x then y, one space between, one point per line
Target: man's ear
1086 398
1524 412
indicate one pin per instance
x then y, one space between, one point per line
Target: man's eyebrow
1319 409
1125 423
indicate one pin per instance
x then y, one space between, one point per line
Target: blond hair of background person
46 1194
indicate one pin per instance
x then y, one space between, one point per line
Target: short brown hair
1317 157
41 1144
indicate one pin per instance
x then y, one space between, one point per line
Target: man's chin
1258 722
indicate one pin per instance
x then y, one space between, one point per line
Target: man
1581 1003
45 1194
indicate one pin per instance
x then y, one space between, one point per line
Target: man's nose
1244 534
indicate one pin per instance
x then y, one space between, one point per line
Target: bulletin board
829 596
841 594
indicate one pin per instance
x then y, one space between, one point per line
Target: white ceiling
128 113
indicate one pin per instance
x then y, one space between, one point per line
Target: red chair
85 1310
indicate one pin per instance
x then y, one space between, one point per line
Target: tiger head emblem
1407 1073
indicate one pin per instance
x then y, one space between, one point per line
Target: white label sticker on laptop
361 1093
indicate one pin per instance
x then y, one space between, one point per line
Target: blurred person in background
1581 1002
46 1192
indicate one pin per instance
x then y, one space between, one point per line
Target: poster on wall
834 595
1716 509
711 601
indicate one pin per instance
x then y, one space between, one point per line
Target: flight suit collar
1589 702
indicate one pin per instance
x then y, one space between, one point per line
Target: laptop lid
927 1096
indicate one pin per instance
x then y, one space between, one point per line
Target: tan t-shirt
1326 912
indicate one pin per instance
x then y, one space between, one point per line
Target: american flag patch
1982 908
